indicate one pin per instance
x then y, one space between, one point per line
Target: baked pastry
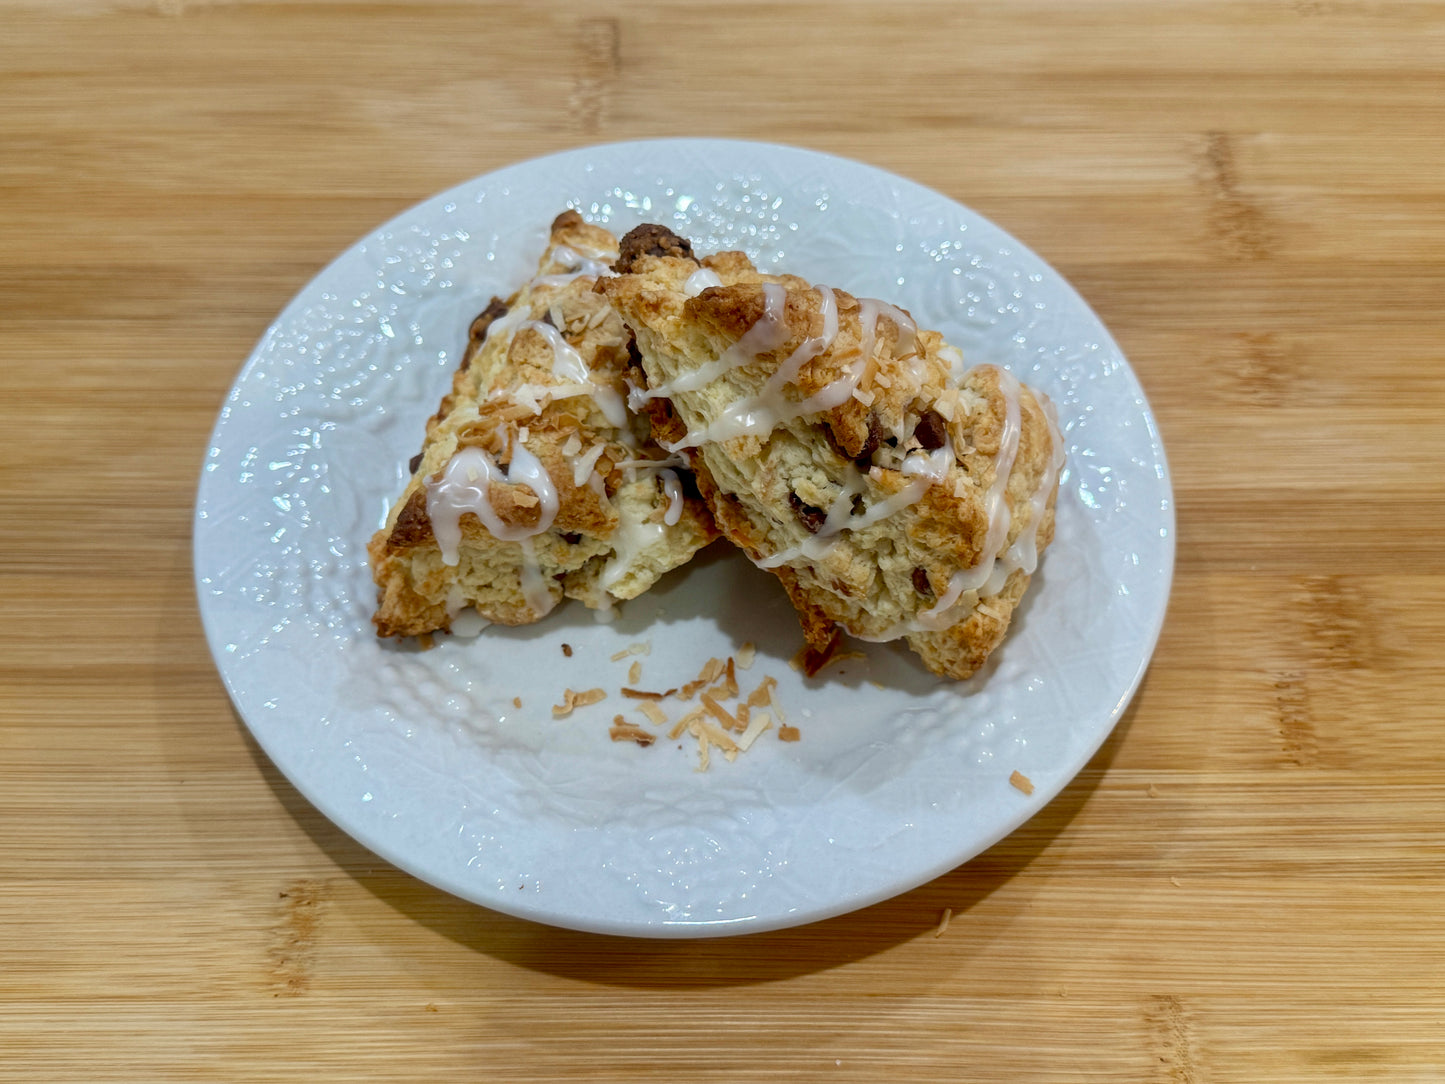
895 492
535 481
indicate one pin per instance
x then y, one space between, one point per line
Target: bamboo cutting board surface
1244 884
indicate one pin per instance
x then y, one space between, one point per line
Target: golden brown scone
893 491
535 480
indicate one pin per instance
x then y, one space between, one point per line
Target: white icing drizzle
764 412
567 364
576 266
534 584
672 486
700 280
569 367
925 468
988 576
1024 553
655 464
769 332
632 537
465 486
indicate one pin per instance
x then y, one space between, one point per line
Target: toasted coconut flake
947 404
763 694
573 445
746 654
685 723
582 467
633 649
943 921
718 712
864 397
760 722
644 694
789 733
622 730
571 700
634 673
1021 782
655 714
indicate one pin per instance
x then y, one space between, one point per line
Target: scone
535 481
895 492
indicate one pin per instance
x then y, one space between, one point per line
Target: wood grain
1243 885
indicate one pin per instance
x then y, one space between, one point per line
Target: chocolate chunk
920 582
649 240
571 537
810 517
871 442
931 430
413 463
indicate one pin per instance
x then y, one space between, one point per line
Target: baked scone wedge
535 481
895 492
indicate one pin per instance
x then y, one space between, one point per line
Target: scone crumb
1021 782
516 701
943 922
622 730
567 650
655 714
634 673
572 700
745 656
789 733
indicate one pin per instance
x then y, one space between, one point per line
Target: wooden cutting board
1245 884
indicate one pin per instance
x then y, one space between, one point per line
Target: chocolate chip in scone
810 517
872 442
931 430
413 463
920 582
495 310
649 239
571 537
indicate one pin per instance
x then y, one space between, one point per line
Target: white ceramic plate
423 755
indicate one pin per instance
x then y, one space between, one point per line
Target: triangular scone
535 480
895 492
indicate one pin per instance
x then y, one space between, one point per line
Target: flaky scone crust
769 491
418 592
